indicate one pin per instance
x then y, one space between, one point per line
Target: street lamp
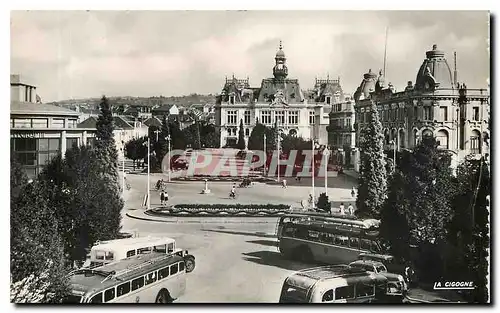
326 155
148 199
265 156
123 168
169 156
313 143
278 147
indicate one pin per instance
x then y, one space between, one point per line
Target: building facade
279 100
436 105
38 132
341 132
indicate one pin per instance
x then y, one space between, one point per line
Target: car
397 285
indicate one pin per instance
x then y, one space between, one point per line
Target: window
181 266
109 294
328 100
174 269
475 146
40 123
170 248
342 240
311 117
71 142
137 283
160 248
57 123
99 255
54 144
346 292
444 113
354 243
327 296
150 278
475 113
22 123
97 298
427 113
265 117
232 117
247 132
442 139
123 289
144 250
381 269
415 112
365 290
375 247
293 117
109 255
280 117
247 118
130 253
163 273
365 244
72 123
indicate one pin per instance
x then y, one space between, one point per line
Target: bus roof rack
117 274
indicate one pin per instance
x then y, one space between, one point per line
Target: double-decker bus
327 240
104 252
147 278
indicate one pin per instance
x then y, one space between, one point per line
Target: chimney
455 69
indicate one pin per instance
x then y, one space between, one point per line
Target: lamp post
169 157
123 168
148 198
278 147
326 155
313 141
265 156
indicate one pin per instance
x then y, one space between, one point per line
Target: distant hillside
91 103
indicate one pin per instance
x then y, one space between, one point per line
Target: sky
82 54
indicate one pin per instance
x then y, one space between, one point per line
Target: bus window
163 273
161 249
109 294
313 235
289 230
344 241
109 255
375 247
144 250
151 278
97 298
137 283
327 296
365 290
366 244
123 289
174 269
99 255
181 266
346 292
130 253
354 243
170 248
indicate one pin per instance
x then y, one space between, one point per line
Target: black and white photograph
250 156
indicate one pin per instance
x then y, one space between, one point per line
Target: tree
241 137
256 139
105 143
36 247
289 143
469 230
372 182
177 136
135 149
323 203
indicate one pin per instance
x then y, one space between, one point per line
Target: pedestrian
165 198
162 197
342 209
283 182
353 192
350 209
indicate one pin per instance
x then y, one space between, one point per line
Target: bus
148 278
334 284
326 240
104 252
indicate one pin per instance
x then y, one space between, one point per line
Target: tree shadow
274 258
241 233
270 243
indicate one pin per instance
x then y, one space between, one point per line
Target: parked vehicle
105 252
335 284
150 278
396 283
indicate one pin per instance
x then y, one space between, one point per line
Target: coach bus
147 278
326 240
105 252
334 284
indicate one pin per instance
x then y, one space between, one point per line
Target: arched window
442 139
415 137
386 136
475 142
427 133
402 139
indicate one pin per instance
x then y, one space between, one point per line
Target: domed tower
280 71
367 86
434 72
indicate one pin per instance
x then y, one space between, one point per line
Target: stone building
435 105
341 133
279 100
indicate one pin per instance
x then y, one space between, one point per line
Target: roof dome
434 71
367 85
280 53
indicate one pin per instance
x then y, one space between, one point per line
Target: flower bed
212 210
254 178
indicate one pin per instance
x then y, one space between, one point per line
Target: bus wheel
163 297
190 264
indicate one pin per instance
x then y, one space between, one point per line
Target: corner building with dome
437 104
280 100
